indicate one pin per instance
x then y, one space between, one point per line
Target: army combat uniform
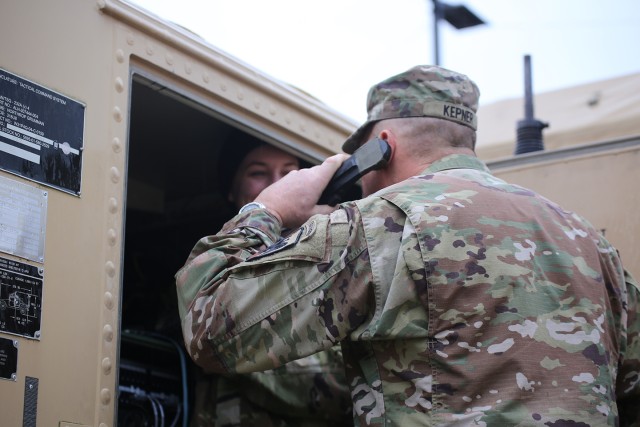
309 392
458 299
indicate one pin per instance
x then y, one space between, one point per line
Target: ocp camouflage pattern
421 91
409 93
458 299
309 392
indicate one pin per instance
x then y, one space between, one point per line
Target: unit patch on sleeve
282 243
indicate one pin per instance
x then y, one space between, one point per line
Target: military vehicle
112 123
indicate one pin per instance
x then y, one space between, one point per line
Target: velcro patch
300 235
339 216
282 243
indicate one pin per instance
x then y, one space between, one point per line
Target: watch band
251 206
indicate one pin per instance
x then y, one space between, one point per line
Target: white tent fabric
606 110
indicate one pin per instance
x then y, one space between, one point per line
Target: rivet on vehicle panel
110 269
117 114
169 59
240 95
113 205
105 396
111 237
130 39
223 87
106 366
272 111
205 78
149 50
256 104
115 175
120 56
116 146
119 85
187 68
108 300
107 333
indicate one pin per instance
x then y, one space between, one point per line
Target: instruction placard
41 133
8 359
20 298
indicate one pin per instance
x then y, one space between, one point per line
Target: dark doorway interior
174 197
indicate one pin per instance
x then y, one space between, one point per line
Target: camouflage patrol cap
422 91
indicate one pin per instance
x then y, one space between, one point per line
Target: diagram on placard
20 298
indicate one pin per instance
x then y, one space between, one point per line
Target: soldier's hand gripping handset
372 155
297 196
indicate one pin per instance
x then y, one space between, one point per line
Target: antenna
529 130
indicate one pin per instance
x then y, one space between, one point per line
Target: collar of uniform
456 161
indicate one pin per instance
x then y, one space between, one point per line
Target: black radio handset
372 155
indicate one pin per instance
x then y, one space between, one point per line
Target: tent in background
606 110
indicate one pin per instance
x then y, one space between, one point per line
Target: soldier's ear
388 136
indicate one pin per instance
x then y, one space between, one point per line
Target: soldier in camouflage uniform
310 392
458 299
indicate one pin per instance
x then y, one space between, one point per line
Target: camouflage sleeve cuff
260 221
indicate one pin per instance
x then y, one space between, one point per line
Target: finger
329 167
336 160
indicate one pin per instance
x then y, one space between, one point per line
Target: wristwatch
251 206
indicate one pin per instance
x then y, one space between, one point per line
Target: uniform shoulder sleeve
628 387
279 304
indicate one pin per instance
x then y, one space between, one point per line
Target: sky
335 50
